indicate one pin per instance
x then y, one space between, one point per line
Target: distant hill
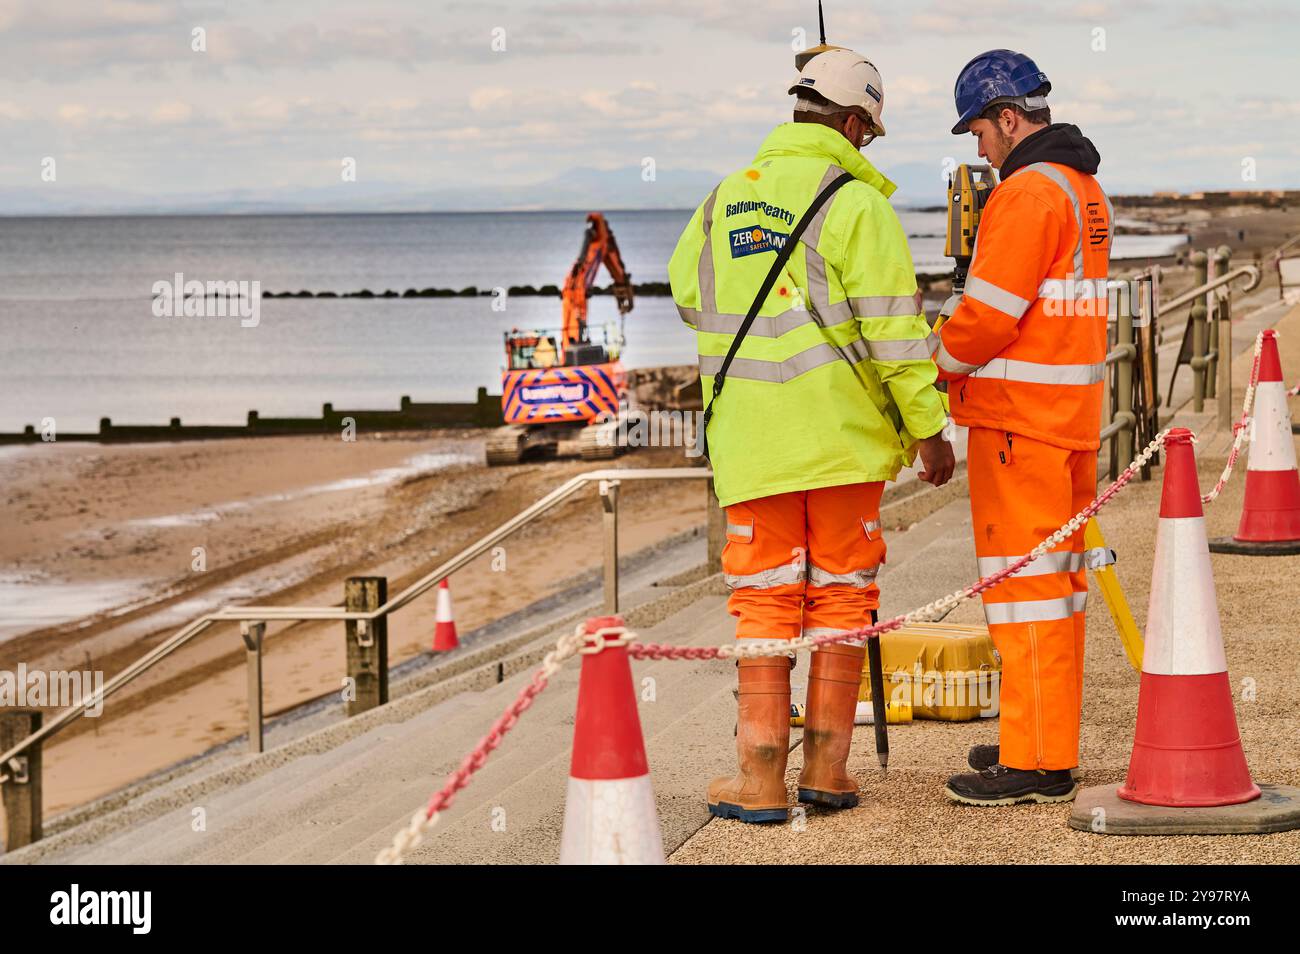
575 189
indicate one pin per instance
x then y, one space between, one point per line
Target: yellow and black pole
1101 560
878 699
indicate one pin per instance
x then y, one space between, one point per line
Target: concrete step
345 804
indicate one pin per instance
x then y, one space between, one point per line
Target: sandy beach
107 536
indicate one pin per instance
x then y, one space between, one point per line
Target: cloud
173 112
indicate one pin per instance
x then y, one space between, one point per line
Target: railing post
1224 346
367 643
717 526
20 794
609 503
1124 440
1212 327
1200 263
253 634
1114 304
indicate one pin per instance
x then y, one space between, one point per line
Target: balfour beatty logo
753 239
544 393
771 211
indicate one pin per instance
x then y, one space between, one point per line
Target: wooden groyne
411 416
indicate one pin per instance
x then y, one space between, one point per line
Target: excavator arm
598 247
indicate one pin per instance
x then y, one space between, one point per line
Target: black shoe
999 785
981 757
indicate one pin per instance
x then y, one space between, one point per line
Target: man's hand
937 459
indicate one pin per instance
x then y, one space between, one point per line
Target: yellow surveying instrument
969 187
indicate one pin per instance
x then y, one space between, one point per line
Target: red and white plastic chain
1241 429
578 642
566 647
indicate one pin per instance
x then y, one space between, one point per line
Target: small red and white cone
1186 747
444 629
1270 514
609 810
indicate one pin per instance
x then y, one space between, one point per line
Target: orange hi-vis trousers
804 562
1021 491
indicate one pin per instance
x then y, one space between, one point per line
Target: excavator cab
528 350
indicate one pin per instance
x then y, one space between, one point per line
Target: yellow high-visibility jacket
834 382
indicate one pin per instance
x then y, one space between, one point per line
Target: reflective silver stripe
885 306
689 315
776 372
858 578
951 364
836 314
745 530
826 315
1059 178
813 233
857 350
1031 372
819 289
1059 561
783 575
708 292
815 631
871 526
917 349
1029 611
1110 218
995 297
1080 601
773 326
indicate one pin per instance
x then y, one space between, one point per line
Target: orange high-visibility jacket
1025 349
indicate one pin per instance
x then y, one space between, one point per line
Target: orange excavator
563 394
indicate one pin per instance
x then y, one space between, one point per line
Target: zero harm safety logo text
755 238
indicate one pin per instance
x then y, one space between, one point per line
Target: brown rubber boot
828 726
757 792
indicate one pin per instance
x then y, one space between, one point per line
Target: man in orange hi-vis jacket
1024 354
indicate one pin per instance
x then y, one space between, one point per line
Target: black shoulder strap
782 256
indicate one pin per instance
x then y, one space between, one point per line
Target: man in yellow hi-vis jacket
829 394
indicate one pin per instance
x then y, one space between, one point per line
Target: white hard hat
846 79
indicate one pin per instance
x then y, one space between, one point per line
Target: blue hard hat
991 76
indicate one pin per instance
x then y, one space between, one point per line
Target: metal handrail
312 613
1187 297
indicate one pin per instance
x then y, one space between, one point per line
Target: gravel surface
906 819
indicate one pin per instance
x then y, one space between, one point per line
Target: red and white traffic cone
1187 774
609 809
1270 514
1186 748
444 629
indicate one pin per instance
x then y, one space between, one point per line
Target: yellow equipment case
946 671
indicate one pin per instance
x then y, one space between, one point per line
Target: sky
527 103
